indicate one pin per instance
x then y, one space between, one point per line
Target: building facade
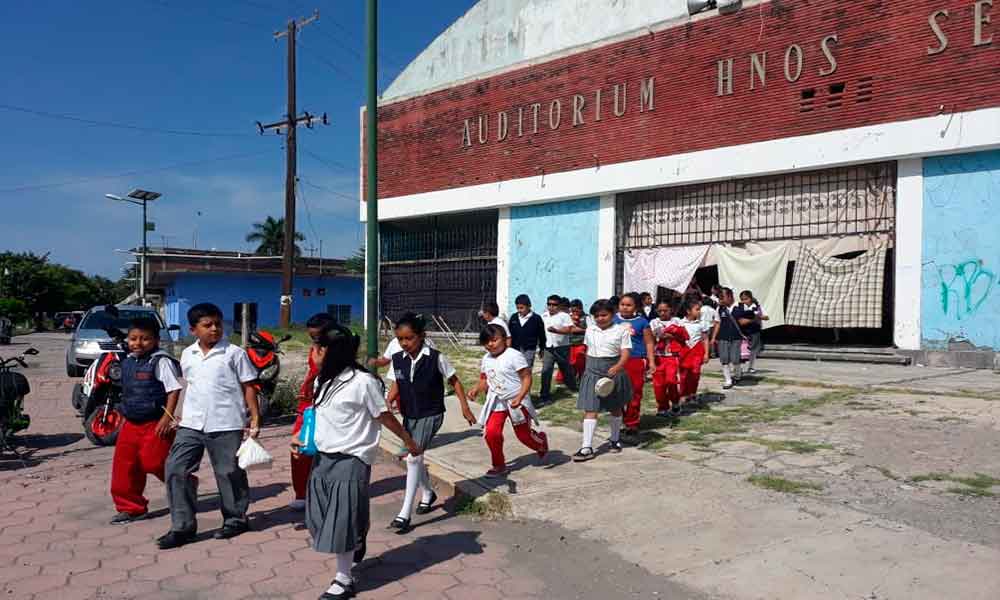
537 143
183 278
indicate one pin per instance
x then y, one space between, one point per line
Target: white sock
727 374
589 425
343 577
414 473
616 427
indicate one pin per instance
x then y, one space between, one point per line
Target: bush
14 309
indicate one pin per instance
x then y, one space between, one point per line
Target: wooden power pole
289 124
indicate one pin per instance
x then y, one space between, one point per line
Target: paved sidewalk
715 532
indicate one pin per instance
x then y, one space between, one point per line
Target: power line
25 188
221 17
319 57
331 163
50 115
305 203
328 190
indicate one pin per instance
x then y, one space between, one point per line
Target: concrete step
883 350
856 357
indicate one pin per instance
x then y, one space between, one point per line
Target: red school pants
691 362
301 464
138 452
578 360
493 433
665 381
635 368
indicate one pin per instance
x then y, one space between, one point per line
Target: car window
103 320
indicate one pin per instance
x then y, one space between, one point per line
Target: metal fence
443 265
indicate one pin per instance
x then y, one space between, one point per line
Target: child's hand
472 394
516 402
296 445
705 360
413 448
254 429
469 417
614 371
164 427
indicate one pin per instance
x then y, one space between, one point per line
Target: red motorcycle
101 393
263 351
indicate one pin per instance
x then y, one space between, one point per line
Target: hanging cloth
764 274
837 292
672 268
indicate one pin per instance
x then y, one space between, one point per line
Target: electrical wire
328 190
194 163
330 163
143 128
305 203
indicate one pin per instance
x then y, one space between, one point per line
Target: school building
541 146
182 277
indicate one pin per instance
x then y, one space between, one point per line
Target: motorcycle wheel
103 431
78 398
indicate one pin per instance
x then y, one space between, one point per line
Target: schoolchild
491 314
506 379
150 389
527 330
350 412
391 348
419 375
732 320
670 341
608 349
217 401
316 326
577 349
558 327
710 315
695 353
648 306
641 360
753 330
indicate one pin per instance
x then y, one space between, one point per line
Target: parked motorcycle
100 394
13 388
263 351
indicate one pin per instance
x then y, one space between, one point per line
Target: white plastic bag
252 455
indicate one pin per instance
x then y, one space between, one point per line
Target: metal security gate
856 200
443 265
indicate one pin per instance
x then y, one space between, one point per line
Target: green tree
356 262
269 235
14 309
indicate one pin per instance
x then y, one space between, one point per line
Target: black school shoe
230 531
583 455
348 591
123 518
615 447
175 539
425 507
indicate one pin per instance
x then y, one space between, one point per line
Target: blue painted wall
961 250
553 249
225 289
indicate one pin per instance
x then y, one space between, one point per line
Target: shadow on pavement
28 446
386 486
418 556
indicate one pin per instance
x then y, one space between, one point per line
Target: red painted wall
883 63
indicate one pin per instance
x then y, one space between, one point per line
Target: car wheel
102 429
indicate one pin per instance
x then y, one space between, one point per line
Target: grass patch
973 492
796 446
887 473
855 405
977 485
738 419
493 506
950 419
780 484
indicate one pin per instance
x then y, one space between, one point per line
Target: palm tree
270 237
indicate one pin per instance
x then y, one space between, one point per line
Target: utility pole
371 157
289 124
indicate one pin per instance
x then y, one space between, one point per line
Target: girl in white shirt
350 410
608 349
695 354
506 378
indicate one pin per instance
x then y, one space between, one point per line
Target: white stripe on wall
606 248
909 253
503 259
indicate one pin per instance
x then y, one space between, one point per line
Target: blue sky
184 65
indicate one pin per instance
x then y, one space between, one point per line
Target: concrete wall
961 252
495 34
226 289
553 249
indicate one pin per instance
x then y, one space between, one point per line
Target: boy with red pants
669 338
150 389
506 379
302 463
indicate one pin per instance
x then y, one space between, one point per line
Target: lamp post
139 198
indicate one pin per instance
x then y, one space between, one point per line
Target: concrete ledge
955 359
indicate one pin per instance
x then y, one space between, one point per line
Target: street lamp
139 198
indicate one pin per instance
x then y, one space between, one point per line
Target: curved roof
497 34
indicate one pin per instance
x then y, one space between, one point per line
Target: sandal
425 507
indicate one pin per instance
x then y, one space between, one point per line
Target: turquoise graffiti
965 287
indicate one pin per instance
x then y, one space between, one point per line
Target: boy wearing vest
418 375
150 389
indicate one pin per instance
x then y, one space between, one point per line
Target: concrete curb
447 482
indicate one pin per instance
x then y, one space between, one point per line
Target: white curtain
764 274
672 268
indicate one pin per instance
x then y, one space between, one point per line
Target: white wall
909 252
503 259
606 248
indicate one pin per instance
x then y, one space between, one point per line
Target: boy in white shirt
491 314
219 394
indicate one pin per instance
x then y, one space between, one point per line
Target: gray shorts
729 351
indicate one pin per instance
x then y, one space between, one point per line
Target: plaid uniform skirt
588 400
423 430
337 504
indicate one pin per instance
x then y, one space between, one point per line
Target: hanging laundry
837 292
764 274
672 268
